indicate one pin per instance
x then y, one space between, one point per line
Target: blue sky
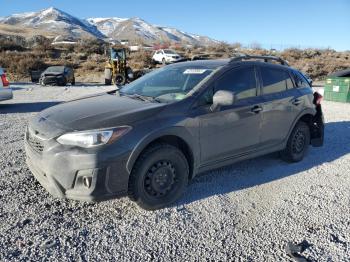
272 23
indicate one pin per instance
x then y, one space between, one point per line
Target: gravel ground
245 212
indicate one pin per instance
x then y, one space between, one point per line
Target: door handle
256 109
297 102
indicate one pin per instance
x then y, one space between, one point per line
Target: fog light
87 181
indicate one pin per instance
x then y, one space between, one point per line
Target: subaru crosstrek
149 138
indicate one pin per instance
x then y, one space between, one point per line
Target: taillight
5 82
317 98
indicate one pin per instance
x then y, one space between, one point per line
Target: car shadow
268 168
25 107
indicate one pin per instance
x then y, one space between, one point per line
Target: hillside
19 56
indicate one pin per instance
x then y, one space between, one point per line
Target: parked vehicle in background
166 56
337 86
57 75
117 69
5 90
149 138
35 75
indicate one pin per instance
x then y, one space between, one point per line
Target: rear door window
275 80
240 81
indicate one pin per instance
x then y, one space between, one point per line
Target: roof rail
266 59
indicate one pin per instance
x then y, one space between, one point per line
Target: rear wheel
298 143
119 79
159 177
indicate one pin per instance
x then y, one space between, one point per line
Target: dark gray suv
148 139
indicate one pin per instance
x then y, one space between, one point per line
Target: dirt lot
245 212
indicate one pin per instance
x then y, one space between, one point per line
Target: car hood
97 112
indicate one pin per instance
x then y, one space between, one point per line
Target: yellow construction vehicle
117 70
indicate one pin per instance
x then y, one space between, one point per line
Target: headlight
93 138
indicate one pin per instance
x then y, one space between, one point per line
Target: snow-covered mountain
135 29
54 23
61 25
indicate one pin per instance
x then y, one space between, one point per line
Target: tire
159 177
119 79
298 143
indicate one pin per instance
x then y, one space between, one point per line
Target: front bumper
172 59
78 175
52 80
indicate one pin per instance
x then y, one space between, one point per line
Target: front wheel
159 177
298 143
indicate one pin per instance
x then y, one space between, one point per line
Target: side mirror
222 98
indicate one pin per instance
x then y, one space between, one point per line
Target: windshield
170 52
168 84
55 69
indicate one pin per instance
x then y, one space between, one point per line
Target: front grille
50 80
35 143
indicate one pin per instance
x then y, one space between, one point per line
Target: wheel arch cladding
170 139
306 116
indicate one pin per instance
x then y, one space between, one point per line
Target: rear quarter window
300 80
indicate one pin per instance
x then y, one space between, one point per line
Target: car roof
214 63
261 63
342 73
202 63
57 66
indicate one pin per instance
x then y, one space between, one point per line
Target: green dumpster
337 87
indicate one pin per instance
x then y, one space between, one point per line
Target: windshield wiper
140 97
